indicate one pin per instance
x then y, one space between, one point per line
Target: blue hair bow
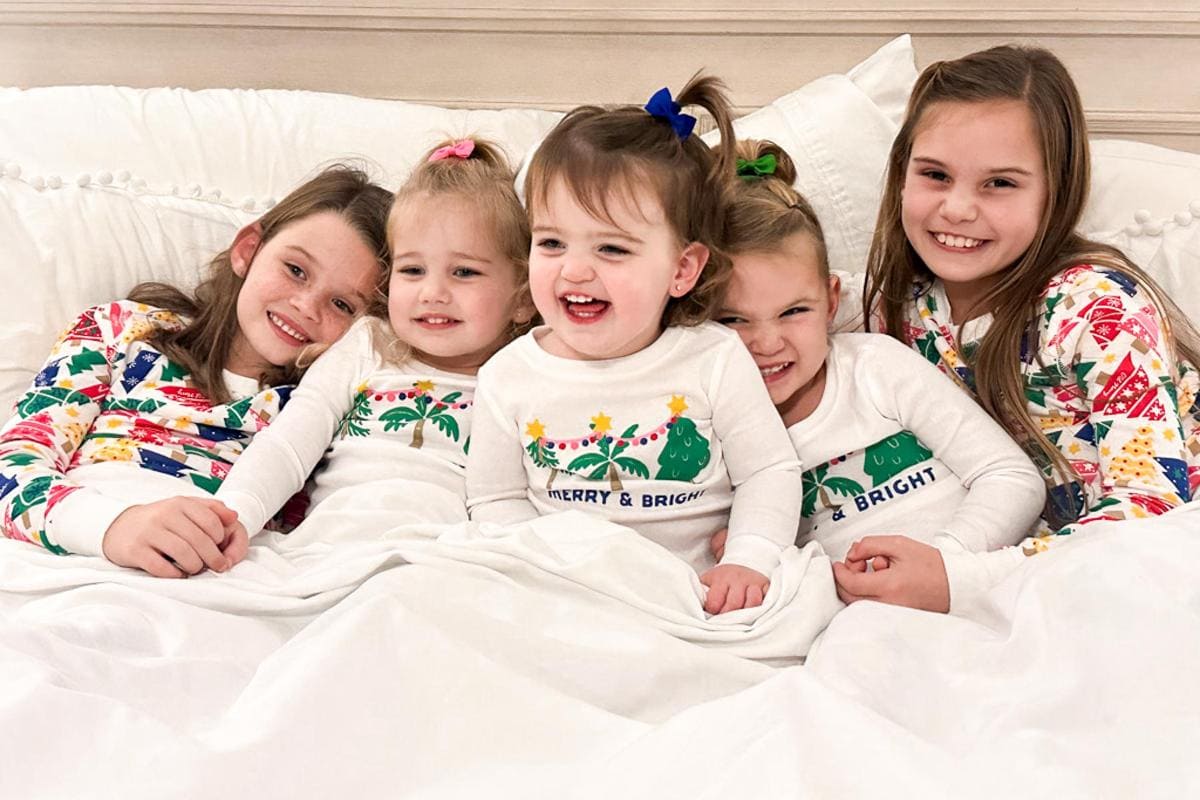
662 106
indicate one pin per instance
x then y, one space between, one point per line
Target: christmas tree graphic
1136 465
817 484
540 451
889 457
606 460
686 451
426 410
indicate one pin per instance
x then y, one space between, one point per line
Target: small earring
679 287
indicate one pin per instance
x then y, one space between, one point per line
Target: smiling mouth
961 243
436 322
288 332
583 307
774 372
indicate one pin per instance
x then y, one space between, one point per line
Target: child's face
781 307
452 295
974 191
602 286
303 286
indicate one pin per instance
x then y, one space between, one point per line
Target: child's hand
912 574
717 543
731 587
192 533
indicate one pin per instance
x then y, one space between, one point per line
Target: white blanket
570 658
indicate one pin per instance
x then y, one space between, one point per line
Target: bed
358 659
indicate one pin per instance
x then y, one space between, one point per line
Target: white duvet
570 658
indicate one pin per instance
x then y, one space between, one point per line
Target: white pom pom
194 190
139 185
215 194
104 178
269 202
38 182
248 204
1183 219
1142 216
123 175
13 171
1133 231
83 180
54 182
1153 228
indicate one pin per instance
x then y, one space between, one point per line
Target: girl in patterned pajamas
888 444
144 403
1074 350
395 398
627 404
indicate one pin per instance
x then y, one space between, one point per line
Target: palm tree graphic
426 409
606 460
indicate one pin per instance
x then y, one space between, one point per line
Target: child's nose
577 268
765 340
958 205
434 290
307 303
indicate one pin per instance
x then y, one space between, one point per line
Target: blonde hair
202 346
485 179
595 150
767 210
1038 79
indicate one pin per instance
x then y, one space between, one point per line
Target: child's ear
245 245
835 295
688 268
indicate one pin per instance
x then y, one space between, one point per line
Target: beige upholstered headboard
1137 62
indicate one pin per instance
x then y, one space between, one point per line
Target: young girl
888 443
1075 351
146 399
395 399
625 404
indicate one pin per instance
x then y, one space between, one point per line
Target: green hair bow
757 169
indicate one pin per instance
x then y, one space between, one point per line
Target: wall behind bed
1136 62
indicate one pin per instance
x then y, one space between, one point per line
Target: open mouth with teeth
961 244
583 308
436 322
774 372
286 332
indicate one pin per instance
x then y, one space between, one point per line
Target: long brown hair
596 150
485 179
895 272
767 209
203 344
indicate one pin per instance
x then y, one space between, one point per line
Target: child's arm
279 459
497 486
762 464
38 502
1005 491
1125 372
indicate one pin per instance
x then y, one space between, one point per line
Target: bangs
595 179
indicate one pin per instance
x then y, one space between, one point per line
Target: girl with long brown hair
976 263
144 403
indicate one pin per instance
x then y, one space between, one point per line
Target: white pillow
838 130
1169 250
1135 178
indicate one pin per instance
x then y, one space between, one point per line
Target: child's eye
294 269
613 250
935 175
550 244
730 320
466 272
1001 183
794 310
411 270
344 307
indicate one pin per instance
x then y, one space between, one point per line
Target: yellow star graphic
601 423
535 430
424 386
677 405
1169 435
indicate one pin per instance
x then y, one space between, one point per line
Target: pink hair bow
460 149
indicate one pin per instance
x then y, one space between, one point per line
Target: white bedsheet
569 658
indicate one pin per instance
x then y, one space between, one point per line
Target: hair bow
663 107
757 169
460 149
